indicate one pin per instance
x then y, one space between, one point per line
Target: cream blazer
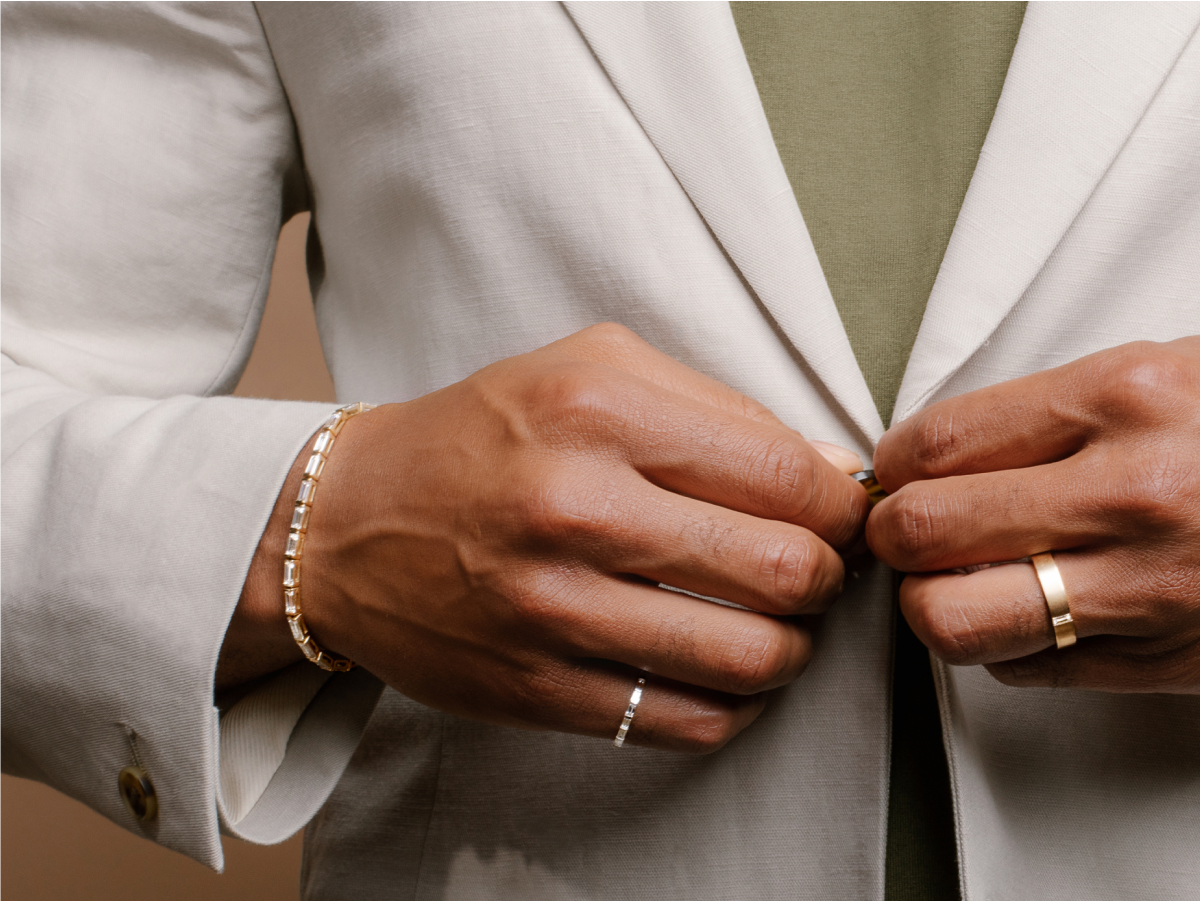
486 179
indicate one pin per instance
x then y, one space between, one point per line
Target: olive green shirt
879 112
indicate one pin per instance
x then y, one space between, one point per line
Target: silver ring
634 700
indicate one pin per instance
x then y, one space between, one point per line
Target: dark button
875 492
137 791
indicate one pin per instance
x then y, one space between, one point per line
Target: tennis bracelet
295 543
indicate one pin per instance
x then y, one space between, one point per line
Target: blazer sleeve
148 158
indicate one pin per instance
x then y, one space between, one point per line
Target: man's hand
494 549
1098 461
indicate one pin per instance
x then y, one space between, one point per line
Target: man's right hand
494 549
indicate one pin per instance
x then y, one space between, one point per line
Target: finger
537 689
696 450
674 717
1106 664
676 636
1019 423
1036 419
615 345
621 524
591 697
1000 613
990 517
770 566
843 460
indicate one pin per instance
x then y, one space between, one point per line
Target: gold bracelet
295 542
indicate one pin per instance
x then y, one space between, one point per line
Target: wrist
295 587
257 640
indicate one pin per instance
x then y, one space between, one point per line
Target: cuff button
137 791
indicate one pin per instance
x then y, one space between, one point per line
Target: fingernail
845 460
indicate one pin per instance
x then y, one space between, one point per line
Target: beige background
52 847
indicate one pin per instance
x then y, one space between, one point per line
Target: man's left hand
1097 461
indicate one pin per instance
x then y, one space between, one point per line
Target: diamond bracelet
295 543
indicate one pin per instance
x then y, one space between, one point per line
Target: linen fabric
879 112
146 160
486 814
485 179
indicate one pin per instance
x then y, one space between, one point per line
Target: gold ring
1056 599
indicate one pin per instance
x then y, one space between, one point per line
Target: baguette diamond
634 700
296 537
295 545
316 465
308 490
300 518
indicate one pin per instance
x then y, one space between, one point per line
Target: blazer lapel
681 70
1081 77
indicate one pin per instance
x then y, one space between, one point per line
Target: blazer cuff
129 525
284 746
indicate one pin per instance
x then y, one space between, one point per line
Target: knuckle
786 478
610 333
540 693
1171 594
532 608
754 663
1160 665
912 529
541 607
793 486
575 393
562 511
937 442
708 729
1157 492
795 574
751 409
952 631
1145 376
606 343
955 639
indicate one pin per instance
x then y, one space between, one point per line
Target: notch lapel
1081 78
681 70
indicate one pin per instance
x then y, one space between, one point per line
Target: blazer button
137 791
